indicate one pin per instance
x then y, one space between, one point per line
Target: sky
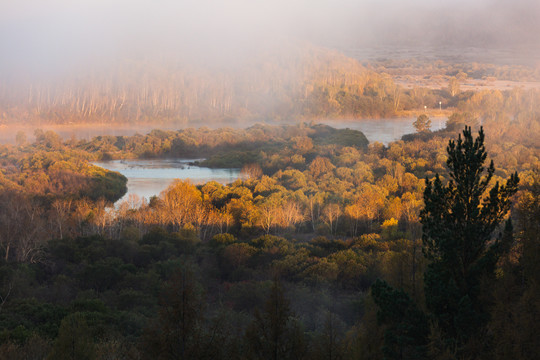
53 36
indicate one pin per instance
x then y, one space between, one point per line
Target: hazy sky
54 35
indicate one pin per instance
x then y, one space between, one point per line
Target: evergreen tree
407 327
458 222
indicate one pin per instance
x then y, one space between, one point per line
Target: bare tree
60 211
331 214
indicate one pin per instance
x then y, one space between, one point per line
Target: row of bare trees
269 86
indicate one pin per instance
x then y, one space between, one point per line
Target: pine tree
407 327
458 221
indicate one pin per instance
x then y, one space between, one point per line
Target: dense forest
328 247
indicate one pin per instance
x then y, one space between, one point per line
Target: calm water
385 130
147 178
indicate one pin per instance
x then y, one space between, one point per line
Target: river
147 178
381 130
384 130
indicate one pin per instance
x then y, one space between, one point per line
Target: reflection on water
147 178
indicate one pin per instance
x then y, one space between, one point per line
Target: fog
49 38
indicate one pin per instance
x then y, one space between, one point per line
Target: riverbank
396 127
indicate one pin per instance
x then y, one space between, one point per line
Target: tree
331 213
371 200
177 333
329 344
274 334
321 166
453 86
458 222
74 340
60 214
251 171
515 321
181 200
422 123
406 325
457 121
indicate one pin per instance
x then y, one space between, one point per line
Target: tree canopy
458 220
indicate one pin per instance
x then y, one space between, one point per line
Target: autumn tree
302 144
331 214
453 86
458 224
457 121
251 171
291 214
22 227
60 213
422 123
354 212
370 201
315 204
321 166
181 200
268 213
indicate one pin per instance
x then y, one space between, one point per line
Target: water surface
147 178
384 130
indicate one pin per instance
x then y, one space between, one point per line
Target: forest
357 180
326 247
329 247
